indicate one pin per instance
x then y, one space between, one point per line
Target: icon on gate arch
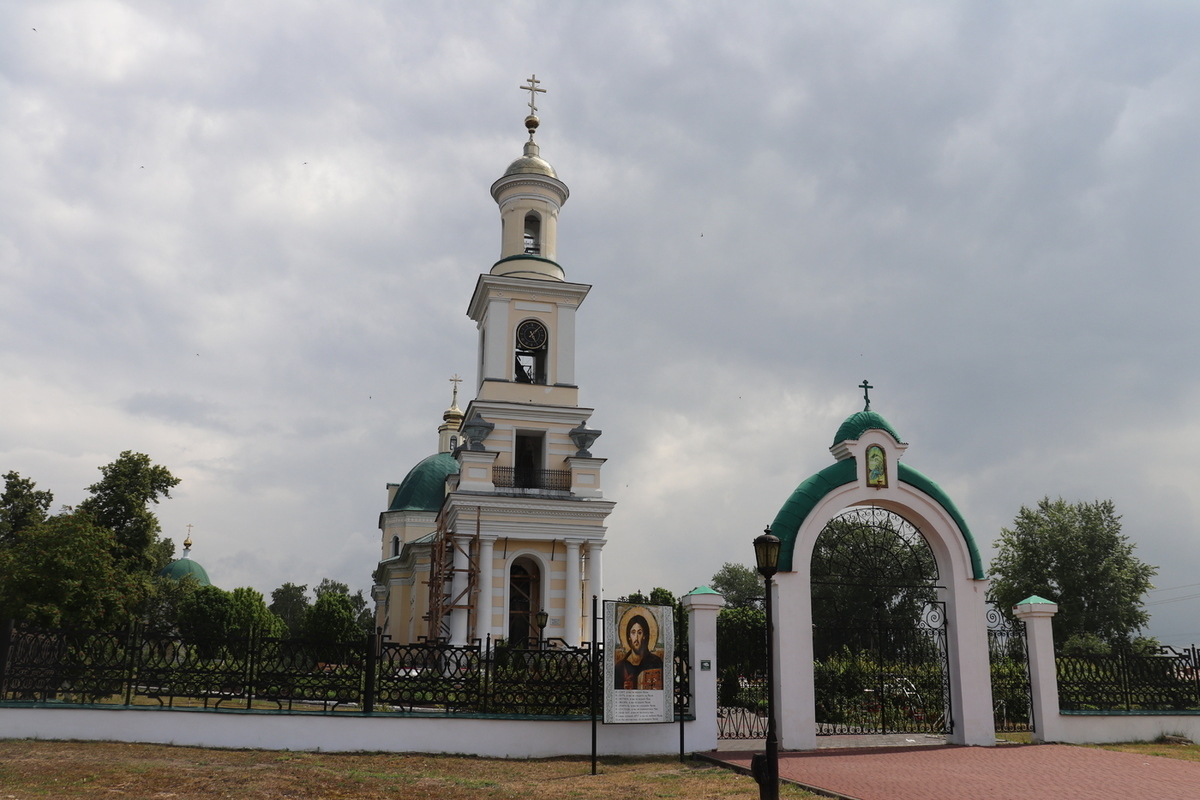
876 467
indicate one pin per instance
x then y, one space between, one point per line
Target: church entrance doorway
524 601
880 659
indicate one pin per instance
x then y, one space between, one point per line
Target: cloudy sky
240 237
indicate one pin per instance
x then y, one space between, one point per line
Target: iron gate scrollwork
1008 654
881 663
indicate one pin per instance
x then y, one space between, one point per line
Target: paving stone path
1013 772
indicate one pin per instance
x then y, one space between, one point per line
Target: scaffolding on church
442 569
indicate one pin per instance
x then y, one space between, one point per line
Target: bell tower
522 526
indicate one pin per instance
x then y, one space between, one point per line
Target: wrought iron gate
879 632
1008 653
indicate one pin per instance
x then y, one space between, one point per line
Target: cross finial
533 89
866 387
456 381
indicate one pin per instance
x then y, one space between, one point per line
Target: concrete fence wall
345 731
1091 727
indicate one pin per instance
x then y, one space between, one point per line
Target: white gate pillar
795 698
1036 612
703 605
970 665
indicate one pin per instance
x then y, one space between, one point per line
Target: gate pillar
970 666
1036 612
703 605
795 698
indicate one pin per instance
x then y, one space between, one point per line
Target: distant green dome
182 567
858 424
424 487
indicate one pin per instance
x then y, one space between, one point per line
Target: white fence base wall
498 738
1107 728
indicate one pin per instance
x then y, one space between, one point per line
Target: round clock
531 335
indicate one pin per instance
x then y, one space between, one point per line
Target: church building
503 528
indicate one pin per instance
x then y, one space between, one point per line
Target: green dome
858 424
182 567
424 487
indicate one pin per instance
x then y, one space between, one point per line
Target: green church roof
424 487
858 424
182 567
806 496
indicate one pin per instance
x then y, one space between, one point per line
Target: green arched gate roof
806 496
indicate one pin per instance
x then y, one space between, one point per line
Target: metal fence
1166 680
139 667
1008 656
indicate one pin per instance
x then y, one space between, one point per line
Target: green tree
362 611
741 585
206 614
289 602
1075 555
61 572
120 499
332 618
160 611
21 506
248 614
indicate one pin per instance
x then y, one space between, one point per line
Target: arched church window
533 234
395 546
532 340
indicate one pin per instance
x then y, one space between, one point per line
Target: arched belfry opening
533 234
524 599
878 571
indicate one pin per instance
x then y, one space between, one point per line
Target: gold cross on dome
866 387
533 89
456 381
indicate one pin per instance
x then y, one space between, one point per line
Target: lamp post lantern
766 556
542 619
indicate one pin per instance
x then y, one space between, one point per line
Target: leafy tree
21 506
161 553
62 572
742 639
205 613
289 602
160 611
1075 555
741 585
362 611
248 613
332 618
119 501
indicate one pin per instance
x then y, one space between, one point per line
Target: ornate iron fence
124 668
1012 696
1167 680
558 480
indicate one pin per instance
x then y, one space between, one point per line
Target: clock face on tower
531 335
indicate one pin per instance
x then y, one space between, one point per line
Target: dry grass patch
1184 752
44 769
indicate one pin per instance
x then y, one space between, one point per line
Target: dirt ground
45 769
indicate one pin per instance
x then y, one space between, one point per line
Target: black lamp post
766 556
542 619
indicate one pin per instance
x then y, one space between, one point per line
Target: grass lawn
1186 752
47 769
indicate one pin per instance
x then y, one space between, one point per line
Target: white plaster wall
1101 729
496 738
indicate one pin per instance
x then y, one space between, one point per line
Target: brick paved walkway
1013 772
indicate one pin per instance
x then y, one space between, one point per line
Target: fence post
371 667
703 605
6 631
1036 613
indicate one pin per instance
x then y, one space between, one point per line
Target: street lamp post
542 619
766 555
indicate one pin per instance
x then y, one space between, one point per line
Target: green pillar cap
1034 600
701 590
